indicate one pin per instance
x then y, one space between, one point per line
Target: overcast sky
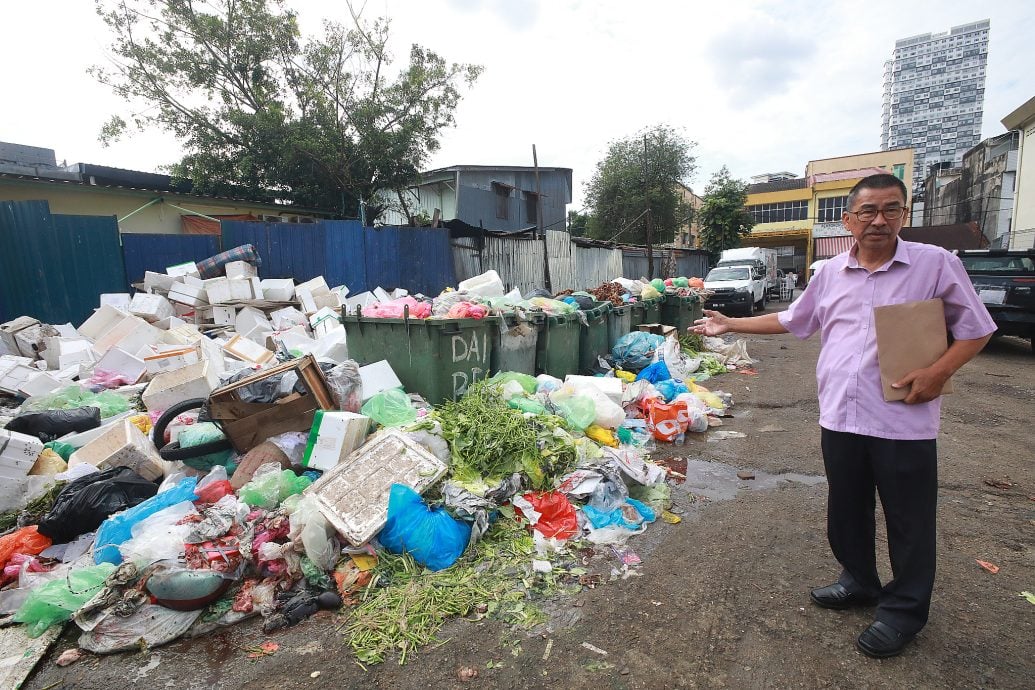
760 86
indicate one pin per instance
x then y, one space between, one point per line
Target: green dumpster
652 309
638 314
557 352
437 358
514 343
593 340
681 312
619 322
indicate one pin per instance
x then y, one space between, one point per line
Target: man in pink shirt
871 446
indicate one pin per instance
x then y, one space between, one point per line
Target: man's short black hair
878 181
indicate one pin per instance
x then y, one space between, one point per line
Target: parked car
735 289
1005 281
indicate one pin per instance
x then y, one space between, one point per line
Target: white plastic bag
158 537
310 529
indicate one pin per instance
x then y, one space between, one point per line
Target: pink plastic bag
467 310
396 309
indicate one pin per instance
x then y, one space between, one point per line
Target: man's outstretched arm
715 323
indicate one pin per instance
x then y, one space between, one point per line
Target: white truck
735 289
762 262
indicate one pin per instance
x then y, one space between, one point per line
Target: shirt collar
901 255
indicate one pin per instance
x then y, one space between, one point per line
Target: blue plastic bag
654 373
671 388
599 518
118 528
430 535
634 351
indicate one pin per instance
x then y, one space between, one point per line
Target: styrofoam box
40 384
81 439
64 352
119 300
278 289
118 361
150 307
131 335
101 321
250 318
218 290
17 376
239 269
223 316
8 330
315 286
171 360
193 295
333 437
381 295
353 495
363 299
158 281
188 268
287 317
305 299
123 445
31 340
247 350
192 381
378 377
18 453
240 289
169 323
328 300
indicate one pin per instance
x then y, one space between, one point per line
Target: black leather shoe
835 596
880 641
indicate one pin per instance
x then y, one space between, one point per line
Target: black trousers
905 475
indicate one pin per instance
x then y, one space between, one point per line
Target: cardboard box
150 307
188 268
239 269
168 388
123 445
247 350
277 289
353 495
334 435
9 329
249 424
378 377
659 329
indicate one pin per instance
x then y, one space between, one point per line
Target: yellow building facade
801 217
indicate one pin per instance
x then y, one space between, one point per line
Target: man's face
879 233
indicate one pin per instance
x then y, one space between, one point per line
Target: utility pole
539 223
650 228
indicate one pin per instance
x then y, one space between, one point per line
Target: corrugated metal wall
345 253
562 261
668 262
154 252
53 267
519 261
596 265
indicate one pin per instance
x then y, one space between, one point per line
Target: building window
899 170
502 200
779 212
531 207
830 209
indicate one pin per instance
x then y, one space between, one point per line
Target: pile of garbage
195 455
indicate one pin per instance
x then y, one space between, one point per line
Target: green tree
577 223
323 122
723 218
635 184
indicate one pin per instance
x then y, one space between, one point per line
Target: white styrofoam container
169 323
64 352
40 384
278 289
487 284
188 268
353 495
8 330
224 316
378 377
287 317
315 286
305 298
119 300
17 376
191 295
101 321
239 269
218 290
150 307
31 340
81 439
381 294
329 300
158 281
170 360
118 361
244 349
192 381
18 452
363 299
250 318
333 437
240 289
131 334
122 445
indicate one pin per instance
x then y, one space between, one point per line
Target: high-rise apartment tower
934 93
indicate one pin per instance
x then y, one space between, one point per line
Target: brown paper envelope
910 336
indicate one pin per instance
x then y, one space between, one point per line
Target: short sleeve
966 316
801 319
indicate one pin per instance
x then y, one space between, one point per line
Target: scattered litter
466 673
999 484
990 567
1029 596
725 435
549 646
594 649
745 475
265 649
69 657
770 428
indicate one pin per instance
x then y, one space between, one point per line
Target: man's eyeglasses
868 214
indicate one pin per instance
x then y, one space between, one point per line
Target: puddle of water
719 482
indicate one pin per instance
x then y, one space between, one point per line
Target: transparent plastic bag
346 386
55 601
158 537
310 527
634 351
118 528
270 485
390 408
108 402
528 383
578 410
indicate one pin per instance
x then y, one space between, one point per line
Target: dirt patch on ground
721 598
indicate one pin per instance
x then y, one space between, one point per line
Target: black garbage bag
84 504
50 425
538 292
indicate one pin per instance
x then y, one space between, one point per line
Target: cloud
757 60
518 16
